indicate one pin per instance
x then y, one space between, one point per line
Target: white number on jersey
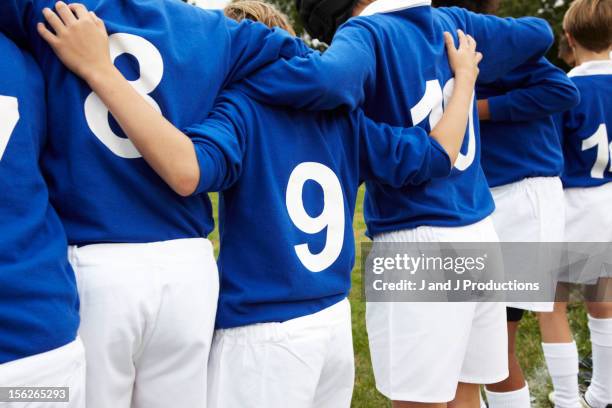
151 74
332 216
9 116
604 151
432 105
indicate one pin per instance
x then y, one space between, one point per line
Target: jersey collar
391 6
592 68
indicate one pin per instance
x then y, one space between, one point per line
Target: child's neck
361 5
583 55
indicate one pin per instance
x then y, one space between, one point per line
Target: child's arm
506 43
538 90
399 156
81 42
464 63
253 45
338 77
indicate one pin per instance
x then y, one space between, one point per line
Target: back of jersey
587 129
414 79
178 57
290 181
38 296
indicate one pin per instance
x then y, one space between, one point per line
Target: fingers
80 11
463 40
450 42
471 43
99 22
46 34
54 21
479 57
65 13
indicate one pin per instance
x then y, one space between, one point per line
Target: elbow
186 185
546 37
452 156
573 99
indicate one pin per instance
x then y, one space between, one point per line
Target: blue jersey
39 307
179 57
586 130
393 61
520 140
292 177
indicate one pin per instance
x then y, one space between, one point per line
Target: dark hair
477 6
322 18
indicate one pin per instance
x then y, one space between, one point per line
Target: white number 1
9 116
604 151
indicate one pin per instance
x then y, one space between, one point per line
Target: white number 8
151 74
331 217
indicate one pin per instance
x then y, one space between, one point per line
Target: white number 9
151 74
332 216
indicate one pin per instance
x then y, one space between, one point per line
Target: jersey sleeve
320 81
539 90
253 46
506 43
399 156
18 20
220 144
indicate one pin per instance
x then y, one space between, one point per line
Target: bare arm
450 131
81 42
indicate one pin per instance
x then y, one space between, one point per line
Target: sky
212 3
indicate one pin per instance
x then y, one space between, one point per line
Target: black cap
321 18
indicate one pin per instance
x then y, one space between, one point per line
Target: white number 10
9 116
332 216
604 151
432 105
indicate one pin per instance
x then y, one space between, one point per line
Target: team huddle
118 117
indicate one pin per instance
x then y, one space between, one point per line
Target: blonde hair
258 11
589 22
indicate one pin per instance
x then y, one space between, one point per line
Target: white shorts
306 362
421 351
62 367
588 215
147 320
531 210
589 219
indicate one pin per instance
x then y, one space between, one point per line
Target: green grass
528 344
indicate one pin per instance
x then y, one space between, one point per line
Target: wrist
466 77
100 75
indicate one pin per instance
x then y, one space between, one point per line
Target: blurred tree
551 10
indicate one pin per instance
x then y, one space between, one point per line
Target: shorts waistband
267 332
178 250
52 359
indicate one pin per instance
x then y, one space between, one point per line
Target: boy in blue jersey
147 275
522 160
587 177
390 60
39 305
285 270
